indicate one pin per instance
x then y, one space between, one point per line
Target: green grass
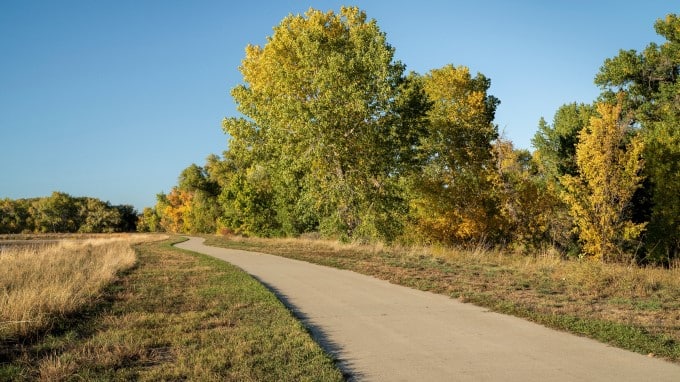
629 307
175 316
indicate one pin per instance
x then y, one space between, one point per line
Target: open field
629 307
174 316
42 283
18 237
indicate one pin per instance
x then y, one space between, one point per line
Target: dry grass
40 283
627 306
176 316
62 236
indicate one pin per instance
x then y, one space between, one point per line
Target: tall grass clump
41 283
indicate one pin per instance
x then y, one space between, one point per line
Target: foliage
650 81
335 138
453 191
323 131
528 205
149 221
14 215
556 144
248 203
61 212
555 157
190 207
608 158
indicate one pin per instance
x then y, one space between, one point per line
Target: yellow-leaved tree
452 196
609 164
174 210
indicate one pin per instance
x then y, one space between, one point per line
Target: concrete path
383 332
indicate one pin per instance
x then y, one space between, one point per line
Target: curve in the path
384 332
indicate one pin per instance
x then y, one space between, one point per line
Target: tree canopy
322 126
336 137
61 212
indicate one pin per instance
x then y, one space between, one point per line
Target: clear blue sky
112 99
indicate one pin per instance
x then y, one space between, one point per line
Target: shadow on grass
335 350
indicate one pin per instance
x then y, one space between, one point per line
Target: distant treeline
63 213
337 138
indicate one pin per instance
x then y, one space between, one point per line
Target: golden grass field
44 281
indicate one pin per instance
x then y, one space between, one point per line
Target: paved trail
383 332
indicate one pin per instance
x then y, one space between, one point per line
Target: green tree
195 178
608 157
556 144
56 213
128 218
247 203
203 210
190 207
96 216
650 81
14 217
319 98
149 221
555 157
61 212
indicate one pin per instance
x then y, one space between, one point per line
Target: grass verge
175 316
626 306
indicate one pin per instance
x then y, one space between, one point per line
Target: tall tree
453 198
608 157
650 81
555 156
319 100
556 144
